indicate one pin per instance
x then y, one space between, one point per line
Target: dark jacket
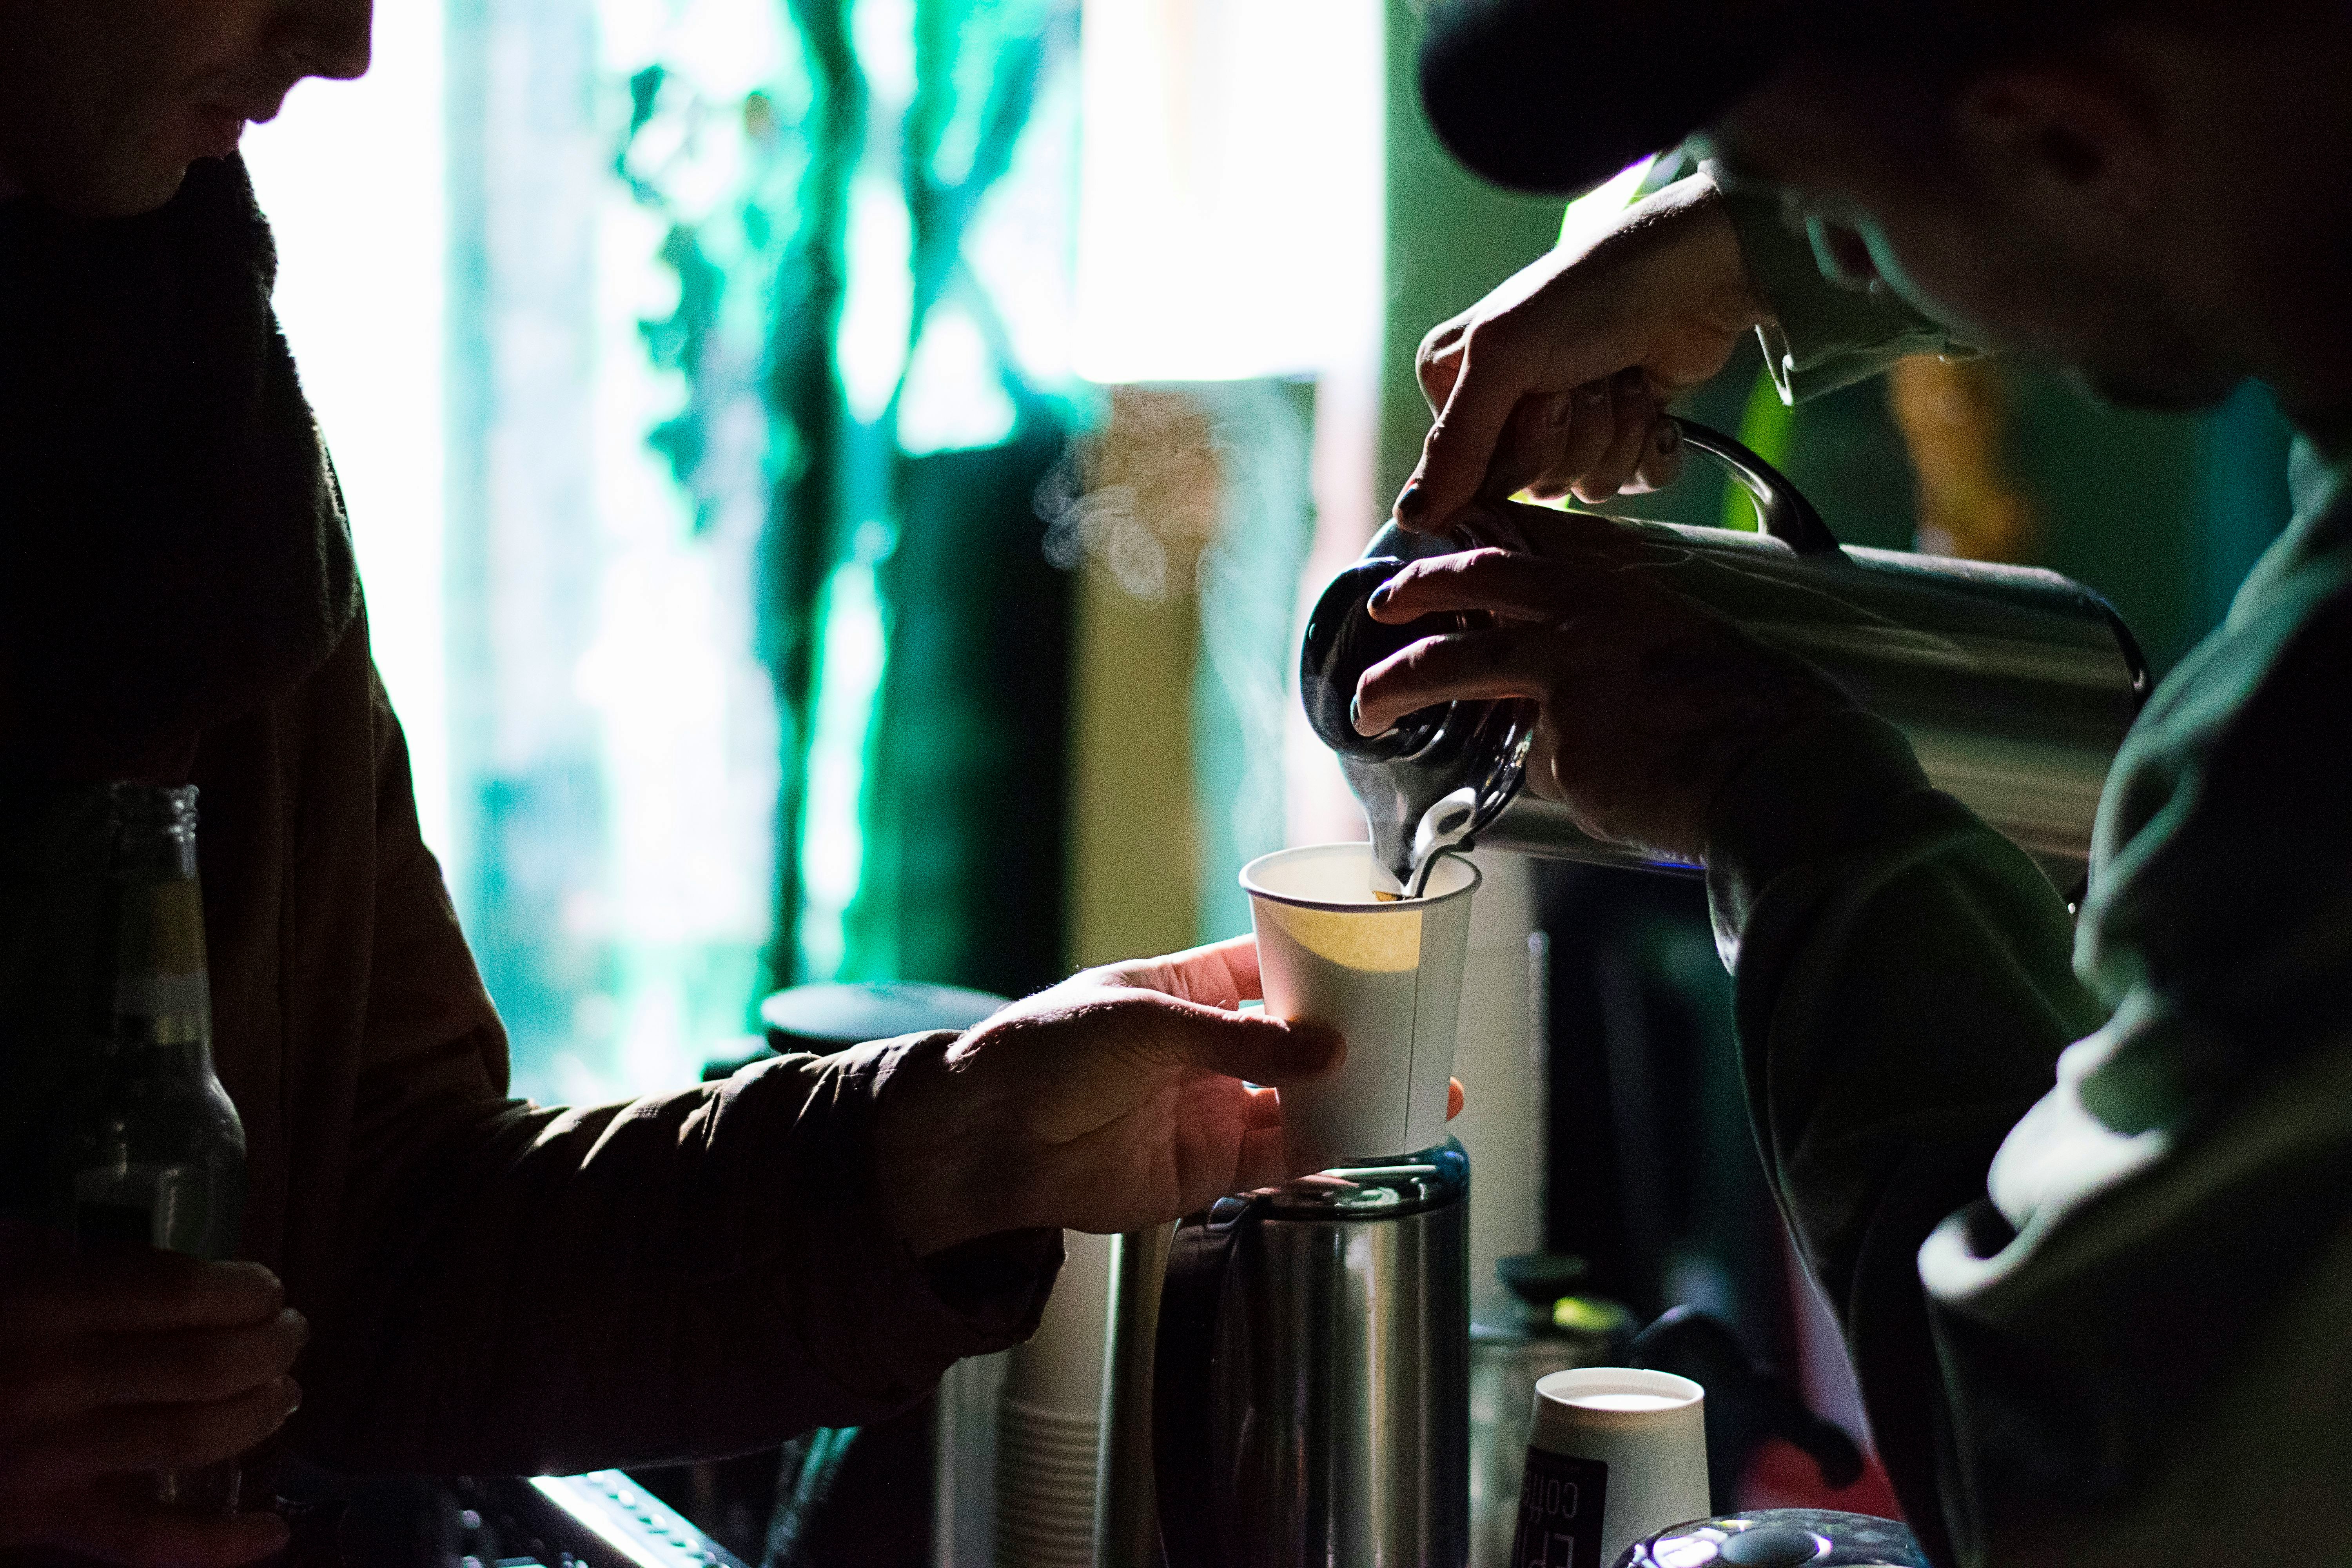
2080 1194
493 1286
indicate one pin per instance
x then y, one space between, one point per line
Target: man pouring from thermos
2077 1188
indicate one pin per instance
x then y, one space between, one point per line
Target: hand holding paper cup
1386 974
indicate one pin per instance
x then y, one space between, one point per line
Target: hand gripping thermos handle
1183 1383
1782 510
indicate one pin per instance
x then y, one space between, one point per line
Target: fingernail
1669 436
1561 407
1593 392
293 1394
299 1324
1410 502
1356 715
1380 597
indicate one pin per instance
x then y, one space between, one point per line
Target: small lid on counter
1781 1537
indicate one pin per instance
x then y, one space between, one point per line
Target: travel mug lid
1781 1537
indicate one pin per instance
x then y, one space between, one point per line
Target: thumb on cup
1251 1046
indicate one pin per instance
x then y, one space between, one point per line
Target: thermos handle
1183 1378
1784 512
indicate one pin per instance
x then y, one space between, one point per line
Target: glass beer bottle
156 1158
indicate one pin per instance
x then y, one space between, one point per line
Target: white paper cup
1387 976
1060 1367
1613 1454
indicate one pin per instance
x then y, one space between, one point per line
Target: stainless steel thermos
1308 1401
2014 685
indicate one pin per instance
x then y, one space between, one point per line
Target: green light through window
850 659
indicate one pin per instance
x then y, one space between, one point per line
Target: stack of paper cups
1614 1453
1386 973
1050 1420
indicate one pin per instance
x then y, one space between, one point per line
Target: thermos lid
1390 1189
1780 1538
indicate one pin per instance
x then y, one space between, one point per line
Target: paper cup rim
1561 1389
1377 906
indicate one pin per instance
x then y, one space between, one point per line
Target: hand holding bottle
117 1363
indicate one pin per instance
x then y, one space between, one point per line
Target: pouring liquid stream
1440 830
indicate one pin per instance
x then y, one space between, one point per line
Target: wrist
925 1174
1711 276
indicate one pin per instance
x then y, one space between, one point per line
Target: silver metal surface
1781 509
2014 685
963 1461
1342 1406
1771 1537
1126 1521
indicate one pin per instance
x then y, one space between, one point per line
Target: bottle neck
161 1001
161 1005
154 832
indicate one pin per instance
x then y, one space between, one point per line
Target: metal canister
2014 685
1309 1381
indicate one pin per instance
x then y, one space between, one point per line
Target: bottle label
161 997
164 1009
163 929
1562 1502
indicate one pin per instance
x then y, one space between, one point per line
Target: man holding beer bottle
458 1281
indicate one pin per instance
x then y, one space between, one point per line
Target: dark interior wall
965 819
1451 238
2118 495
2163 513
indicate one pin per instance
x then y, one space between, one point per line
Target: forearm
695 1273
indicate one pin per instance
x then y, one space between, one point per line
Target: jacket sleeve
2094 1291
2142 1320
1903 989
534 1289
1822 335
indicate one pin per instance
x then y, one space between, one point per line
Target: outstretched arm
813 1241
